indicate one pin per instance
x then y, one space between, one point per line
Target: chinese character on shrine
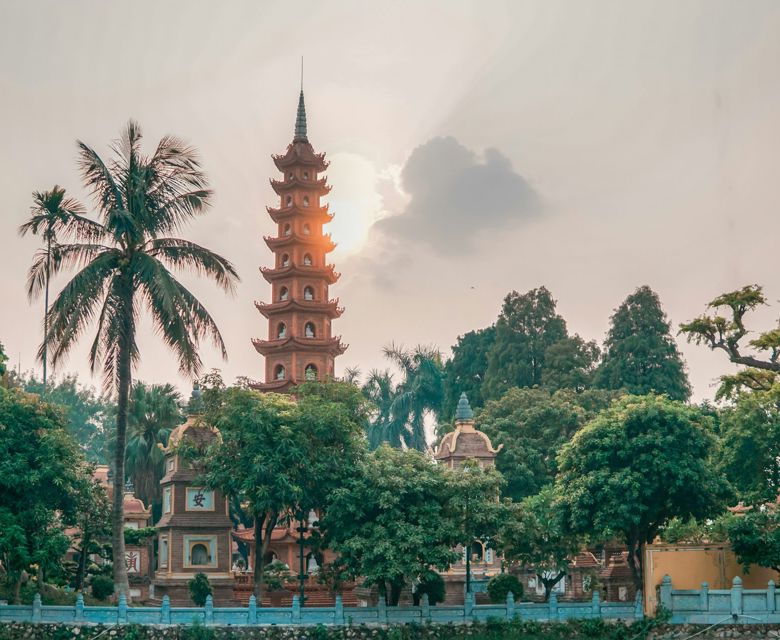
132 561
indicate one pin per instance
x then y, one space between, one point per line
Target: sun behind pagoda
300 346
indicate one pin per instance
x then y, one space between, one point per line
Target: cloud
453 194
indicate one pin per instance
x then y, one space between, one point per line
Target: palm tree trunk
121 584
82 569
46 311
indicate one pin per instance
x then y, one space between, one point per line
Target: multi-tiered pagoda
300 346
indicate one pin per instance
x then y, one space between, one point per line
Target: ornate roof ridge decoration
300 153
328 272
193 422
464 424
313 240
320 185
331 306
332 344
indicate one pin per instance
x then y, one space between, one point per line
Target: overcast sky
475 148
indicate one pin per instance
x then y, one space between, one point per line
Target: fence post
666 592
770 596
121 610
704 597
552 607
36 609
468 605
338 617
425 607
209 609
79 607
510 605
252 615
381 609
165 610
296 609
639 606
736 595
595 604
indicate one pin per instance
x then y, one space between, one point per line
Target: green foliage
199 589
87 415
570 363
750 445
139 536
499 586
755 538
533 424
3 360
42 473
154 412
102 587
640 354
725 333
536 536
432 585
275 575
197 630
693 531
527 326
277 456
388 521
639 463
400 410
465 371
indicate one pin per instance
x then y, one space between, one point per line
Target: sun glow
354 199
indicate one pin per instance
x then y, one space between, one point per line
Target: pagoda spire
300 121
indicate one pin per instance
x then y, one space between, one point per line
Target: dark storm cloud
454 193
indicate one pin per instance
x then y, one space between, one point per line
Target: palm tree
124 260
379 390
51 213
153 413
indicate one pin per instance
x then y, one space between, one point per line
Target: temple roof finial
464 411
300 120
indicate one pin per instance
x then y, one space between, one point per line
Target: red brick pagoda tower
300 346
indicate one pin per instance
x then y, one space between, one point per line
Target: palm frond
179 254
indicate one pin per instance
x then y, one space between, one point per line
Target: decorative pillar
510 605
736 596
770 596
553 606
666 592
704 597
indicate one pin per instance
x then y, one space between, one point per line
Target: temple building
300 345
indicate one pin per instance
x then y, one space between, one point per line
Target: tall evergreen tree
640 354
465 371
527 326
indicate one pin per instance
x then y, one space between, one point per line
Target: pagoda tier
328 273
332 346
303 154
323 241
329 309
300 346
320 214
320 187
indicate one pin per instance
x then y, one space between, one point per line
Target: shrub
200 589
275 575
432 584
500 585
102 587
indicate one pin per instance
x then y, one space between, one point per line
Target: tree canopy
465 371
639 463
533 424
640 354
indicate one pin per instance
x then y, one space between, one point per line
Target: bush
432 584
200 589
102 587
500 585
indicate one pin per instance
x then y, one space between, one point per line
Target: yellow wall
690 565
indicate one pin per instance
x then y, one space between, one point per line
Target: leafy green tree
279 457
432 585
465 371
750 445
3 360
380 390
154 412
570 363
41 475
124 261
199 589
535 536
755 538
499 586
527 326
93 523
725 333
388 522
533 424
640 354
639 463
52 213
87 414
474 506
